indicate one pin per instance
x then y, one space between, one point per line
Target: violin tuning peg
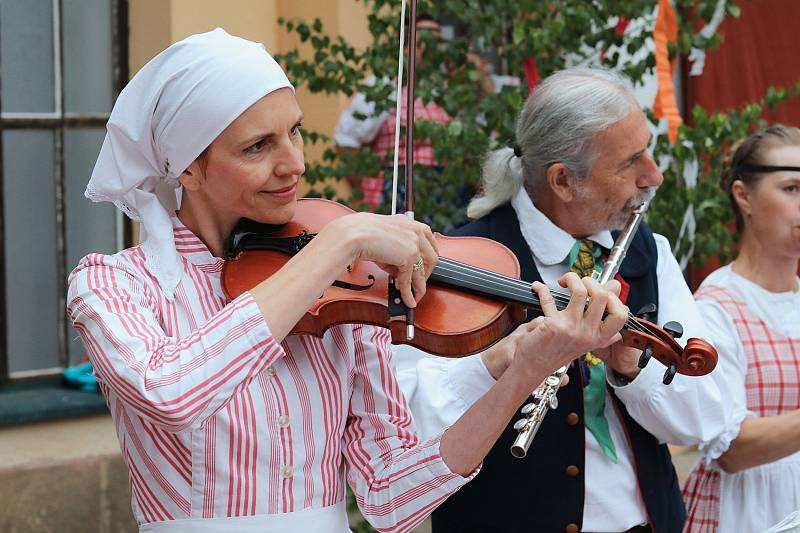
647 353
647 312
674 329
669 375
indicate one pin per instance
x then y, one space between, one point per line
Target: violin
473 299
474 296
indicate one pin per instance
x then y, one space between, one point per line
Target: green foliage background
557 34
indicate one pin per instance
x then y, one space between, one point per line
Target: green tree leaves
556 34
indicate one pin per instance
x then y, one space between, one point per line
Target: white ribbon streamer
697 57
691 171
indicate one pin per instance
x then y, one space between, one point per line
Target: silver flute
544 397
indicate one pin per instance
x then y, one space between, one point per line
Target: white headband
169 112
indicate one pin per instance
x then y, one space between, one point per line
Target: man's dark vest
544 491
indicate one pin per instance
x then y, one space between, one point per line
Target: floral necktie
585 259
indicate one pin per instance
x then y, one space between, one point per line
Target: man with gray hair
599 462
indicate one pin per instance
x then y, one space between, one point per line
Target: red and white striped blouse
216 419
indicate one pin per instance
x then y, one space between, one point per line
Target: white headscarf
171 111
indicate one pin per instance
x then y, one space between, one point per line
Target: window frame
59 122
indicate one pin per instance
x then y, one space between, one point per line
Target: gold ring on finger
419 266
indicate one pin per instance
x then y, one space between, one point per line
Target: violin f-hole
353 287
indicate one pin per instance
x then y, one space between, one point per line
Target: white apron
331 519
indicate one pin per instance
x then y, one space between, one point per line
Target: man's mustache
640 198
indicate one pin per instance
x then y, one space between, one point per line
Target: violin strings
503 284
483 275
522 292
523 286
499 282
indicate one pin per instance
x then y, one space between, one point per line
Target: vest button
573 471
573 419
572 528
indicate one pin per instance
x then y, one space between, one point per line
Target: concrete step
64 476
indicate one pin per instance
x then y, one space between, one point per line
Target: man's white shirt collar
549 243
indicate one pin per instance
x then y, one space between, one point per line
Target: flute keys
528 408
552 381
521 424
553 402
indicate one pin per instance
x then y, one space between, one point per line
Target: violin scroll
700 356
696 359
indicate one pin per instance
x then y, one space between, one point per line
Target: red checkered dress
772 387
383 143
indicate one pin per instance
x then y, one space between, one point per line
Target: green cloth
585 259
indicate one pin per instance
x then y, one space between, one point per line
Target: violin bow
395 304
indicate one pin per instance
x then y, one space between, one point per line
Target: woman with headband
226 422
748 477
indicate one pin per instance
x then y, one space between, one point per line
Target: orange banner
665 105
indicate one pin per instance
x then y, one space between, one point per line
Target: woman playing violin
748 478
227 422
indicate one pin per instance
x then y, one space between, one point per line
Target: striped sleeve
398 480
176 383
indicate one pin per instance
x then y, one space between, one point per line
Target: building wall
155 24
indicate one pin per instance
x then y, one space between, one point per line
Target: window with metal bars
62 63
